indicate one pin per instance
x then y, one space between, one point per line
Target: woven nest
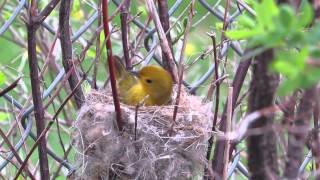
162 149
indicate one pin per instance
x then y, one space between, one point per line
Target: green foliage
3 115
2 78
285 30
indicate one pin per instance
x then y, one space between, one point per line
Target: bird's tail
125 79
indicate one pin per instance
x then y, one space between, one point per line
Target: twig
10 87
297 140
181 65
44 132
97 60
15 153
228 129
164 19
216 77
111 64
36 92
66 48
124 11
163 39
217 162
45 12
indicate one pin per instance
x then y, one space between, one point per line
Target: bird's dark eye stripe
148 81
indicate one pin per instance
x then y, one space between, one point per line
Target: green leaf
247 22
305 15
3 116
286 17
242 34
289 85
2 78
266 10
218 25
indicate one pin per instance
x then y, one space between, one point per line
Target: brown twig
45 12
10 87
36 92
297 140
181 65
216 77
15 153
228 129
111 64
217 162
163 39
124 11
44 132
164 19
263 160
66 49
97 60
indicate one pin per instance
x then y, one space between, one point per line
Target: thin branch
36 92
164 19
217 161
297 140
15 153
10 87
111 64
45 12
228 129
44 132
181 65
163 39
66 48
124 11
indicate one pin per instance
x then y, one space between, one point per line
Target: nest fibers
105 153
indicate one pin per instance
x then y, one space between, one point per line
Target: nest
162 149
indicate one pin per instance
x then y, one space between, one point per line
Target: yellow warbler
152 85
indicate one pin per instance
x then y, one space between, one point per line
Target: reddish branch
66 49
262 159
111 63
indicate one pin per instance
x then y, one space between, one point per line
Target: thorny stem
111 64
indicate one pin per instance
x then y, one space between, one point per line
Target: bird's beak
134 73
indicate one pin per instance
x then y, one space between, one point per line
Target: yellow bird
152 85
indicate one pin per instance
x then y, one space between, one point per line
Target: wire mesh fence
85 34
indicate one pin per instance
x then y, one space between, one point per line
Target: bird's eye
149 81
